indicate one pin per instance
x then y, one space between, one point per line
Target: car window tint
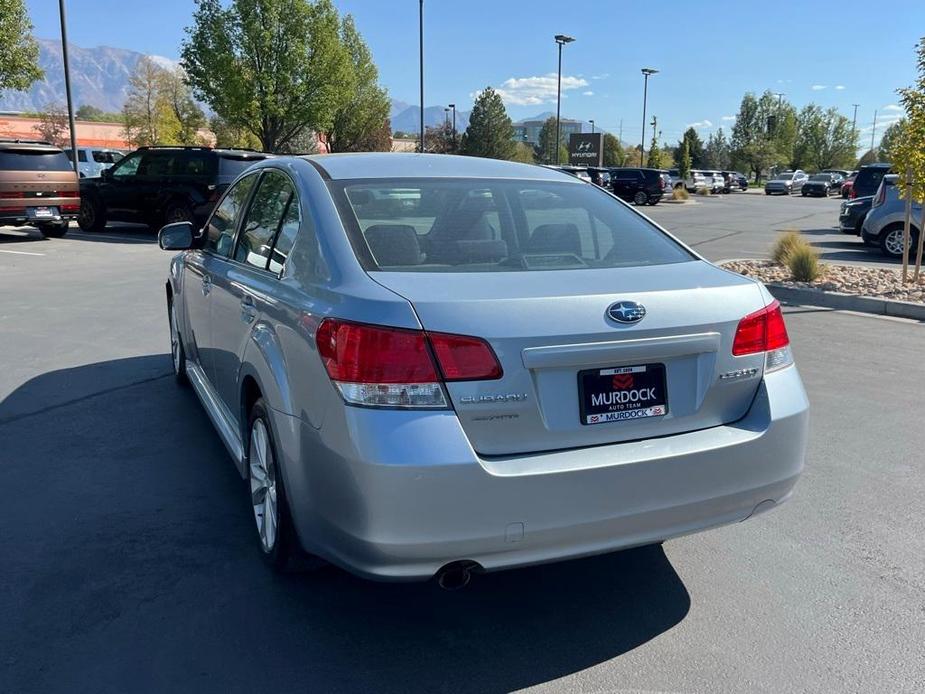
155 164
34 160
192 164
292 221
263 219
468 225
220 232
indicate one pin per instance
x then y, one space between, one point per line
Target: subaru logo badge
626 312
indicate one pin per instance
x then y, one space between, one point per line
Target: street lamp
421 44
62 13
592 125
453 106
561 40
646 71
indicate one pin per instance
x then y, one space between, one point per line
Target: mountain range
100 77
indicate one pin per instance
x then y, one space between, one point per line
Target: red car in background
848 185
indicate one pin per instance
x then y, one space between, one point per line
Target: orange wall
89 134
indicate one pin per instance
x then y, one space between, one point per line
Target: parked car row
92 160
714 181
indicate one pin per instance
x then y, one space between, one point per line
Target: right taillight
880 198
764 331
381 366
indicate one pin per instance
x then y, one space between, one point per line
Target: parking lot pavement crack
50 408
715 238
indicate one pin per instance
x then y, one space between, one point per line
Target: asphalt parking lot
128 562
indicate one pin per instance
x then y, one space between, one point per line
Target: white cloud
839 87
532 91
602 76
892 107
587 93
729 118
818 87
700 124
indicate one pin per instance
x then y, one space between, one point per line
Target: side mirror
176 237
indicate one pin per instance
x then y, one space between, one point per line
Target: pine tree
684 165
490 132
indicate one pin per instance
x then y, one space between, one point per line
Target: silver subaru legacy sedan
429 365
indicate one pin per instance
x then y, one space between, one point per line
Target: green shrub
785 244
680 193
803 262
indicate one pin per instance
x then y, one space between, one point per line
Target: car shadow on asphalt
19 235
135 567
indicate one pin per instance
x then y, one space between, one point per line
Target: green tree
547 143
20 53
227 135
764 133
361 123
523 153
716 153
490 131
684 161
694 148
146 114
438 138
825 140
908 150
187 118
654 159
890 139
613 151
88 112
274 67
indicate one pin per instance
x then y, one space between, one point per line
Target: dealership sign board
586 149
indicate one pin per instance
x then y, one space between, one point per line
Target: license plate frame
605 395
42 212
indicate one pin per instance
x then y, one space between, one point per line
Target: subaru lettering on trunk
408 355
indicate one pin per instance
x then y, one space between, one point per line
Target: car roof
358 165
38 145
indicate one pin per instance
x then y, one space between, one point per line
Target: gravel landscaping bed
882 283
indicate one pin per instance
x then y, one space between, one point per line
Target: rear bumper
402 500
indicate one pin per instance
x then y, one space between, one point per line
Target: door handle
206 285
248 310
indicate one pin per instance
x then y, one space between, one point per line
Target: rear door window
223 222
264 217
156 164
33 160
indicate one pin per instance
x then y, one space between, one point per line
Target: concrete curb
847 302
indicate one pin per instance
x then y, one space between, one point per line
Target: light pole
453 106
421 44
592 125
646 71
561 40
873 133
67 85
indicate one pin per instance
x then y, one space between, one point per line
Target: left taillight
764 331
381 366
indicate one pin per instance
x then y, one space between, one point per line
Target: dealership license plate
622 393
41 212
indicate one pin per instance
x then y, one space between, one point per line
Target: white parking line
20 252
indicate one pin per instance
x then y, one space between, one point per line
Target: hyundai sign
586 149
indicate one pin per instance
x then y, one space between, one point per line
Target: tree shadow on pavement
132 565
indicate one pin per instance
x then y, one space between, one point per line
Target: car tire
653 201
92 216
177 353
275 532
178 211
53 230
891 241
640 198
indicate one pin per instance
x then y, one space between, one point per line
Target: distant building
529 130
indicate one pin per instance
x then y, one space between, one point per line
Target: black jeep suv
159 185
639 185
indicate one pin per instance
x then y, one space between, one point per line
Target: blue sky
835 53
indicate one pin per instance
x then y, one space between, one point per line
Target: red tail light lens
464 358
359 353
761 331
379 366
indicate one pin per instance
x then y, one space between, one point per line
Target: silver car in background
786 183
433 365
884 225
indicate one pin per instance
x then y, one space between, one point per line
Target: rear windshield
783 177
33 160
478 225
869 179
820 177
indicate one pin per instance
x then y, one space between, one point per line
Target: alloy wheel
174 341
263 484
893 243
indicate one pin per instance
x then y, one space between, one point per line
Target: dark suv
639 186
160 185
38 186
868 179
